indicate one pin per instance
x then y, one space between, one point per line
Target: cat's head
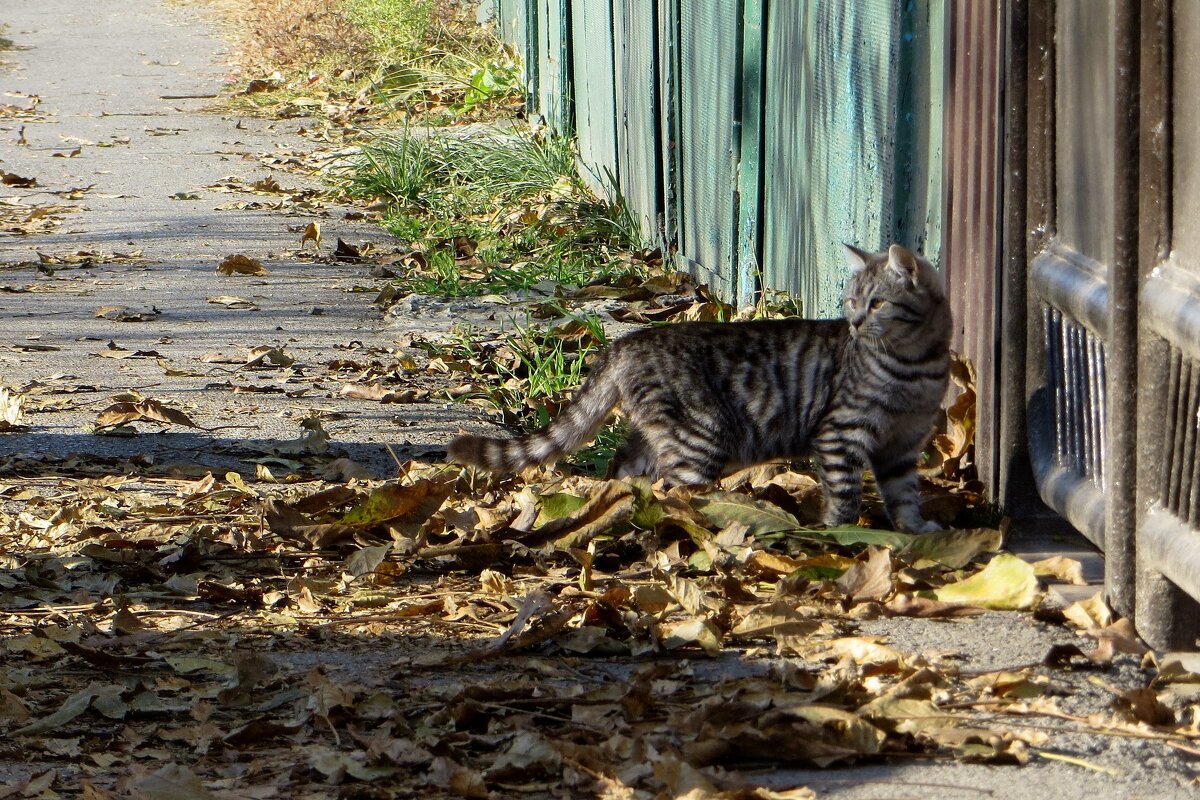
894 295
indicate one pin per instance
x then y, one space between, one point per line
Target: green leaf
393 500
1006 583
954 548
700 561
558 506
852 534
723 508
647 510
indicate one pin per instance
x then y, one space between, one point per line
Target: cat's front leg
841 462
897 481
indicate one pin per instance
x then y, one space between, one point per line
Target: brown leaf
870 579
1065 569
267 185
260 730
12 708
462 781
149 410
291 524
909 606
102 658
1121 636
171 782
126 622
265 356
230 301
397 503
10 179
529 756
344 251
324 500
464 248
379 393
312 233
257 85
695 632
241 265
1090 614
1143 705
792 732
779 618
126 314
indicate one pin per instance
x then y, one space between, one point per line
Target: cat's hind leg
684 455
634 457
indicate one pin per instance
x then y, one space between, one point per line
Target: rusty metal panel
971 222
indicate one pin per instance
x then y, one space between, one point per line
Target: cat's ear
856 259
902 261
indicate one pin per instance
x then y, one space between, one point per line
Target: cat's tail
573 428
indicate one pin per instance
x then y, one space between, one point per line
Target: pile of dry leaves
544 634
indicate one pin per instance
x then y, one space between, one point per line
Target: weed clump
371 59
492 211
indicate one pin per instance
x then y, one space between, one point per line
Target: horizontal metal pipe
1171 307
1075 285
1172 548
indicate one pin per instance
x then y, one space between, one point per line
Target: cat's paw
923 526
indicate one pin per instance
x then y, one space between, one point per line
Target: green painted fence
751 139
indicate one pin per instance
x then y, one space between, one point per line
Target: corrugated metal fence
750 138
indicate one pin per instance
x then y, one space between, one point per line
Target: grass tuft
373 59
493 211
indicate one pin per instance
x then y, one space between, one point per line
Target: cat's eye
877 304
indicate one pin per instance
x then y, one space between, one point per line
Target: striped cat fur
703 399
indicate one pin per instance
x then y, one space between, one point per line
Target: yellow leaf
1006 583
1061 567
1090 614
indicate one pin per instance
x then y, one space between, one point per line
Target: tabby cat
703 399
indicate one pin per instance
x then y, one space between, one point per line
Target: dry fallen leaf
12 409
1006 582
126 314
231 301
1090 614
312 233
241 265
9 179
145 410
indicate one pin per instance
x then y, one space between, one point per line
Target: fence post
750 146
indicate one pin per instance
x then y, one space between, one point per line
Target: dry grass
288 35
414 56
